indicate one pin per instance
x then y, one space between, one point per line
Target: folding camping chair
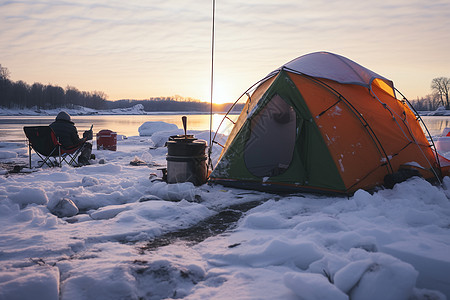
43 140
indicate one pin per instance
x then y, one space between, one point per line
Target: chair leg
59 156
45 160
29 153
70 158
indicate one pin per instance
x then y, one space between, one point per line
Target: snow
137 109
440 111
313 286
7 154
112 230
63 208
442 144
38 282
149 128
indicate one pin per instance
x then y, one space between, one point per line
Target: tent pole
212 83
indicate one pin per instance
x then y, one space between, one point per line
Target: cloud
98 44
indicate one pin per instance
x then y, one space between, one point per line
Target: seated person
67 133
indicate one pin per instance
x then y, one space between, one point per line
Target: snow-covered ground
440 111
137 109
121 234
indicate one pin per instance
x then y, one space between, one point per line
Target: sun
223 91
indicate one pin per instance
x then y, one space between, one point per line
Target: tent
323 123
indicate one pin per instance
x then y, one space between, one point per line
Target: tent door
268 151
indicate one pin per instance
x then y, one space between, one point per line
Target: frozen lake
436 124
11 127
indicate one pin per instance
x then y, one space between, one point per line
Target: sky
141 49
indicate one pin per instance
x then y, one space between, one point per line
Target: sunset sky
140 49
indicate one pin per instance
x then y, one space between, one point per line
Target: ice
40 282
313 287
10 151
385 278
103 282
28 195
263 220
160 138
349 276
136 237
7 154
277 252
378 276
150 128
175 192
432 264
63 208
89 181
108 212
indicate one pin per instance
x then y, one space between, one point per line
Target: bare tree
441 86
4 73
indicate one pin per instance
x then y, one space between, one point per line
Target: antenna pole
212 81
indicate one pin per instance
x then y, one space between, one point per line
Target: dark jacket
66 132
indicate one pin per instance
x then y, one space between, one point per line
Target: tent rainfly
323 123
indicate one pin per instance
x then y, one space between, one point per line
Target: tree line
440 88
20 95
173 104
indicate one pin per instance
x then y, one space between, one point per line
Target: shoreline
84 111
109 113
139 110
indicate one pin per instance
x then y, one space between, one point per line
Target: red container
106 140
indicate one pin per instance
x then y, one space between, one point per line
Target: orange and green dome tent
323 123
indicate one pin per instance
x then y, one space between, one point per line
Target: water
436 124
11 127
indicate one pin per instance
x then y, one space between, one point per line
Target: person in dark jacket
67 133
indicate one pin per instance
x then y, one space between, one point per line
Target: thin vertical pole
29 152
212 81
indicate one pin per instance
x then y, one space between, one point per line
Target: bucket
186 160
106 140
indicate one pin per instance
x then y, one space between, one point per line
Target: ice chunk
160 138
431 259
41 282
29 195
108 212
380 276
313 286
278 252
149 128
89 181
63 208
